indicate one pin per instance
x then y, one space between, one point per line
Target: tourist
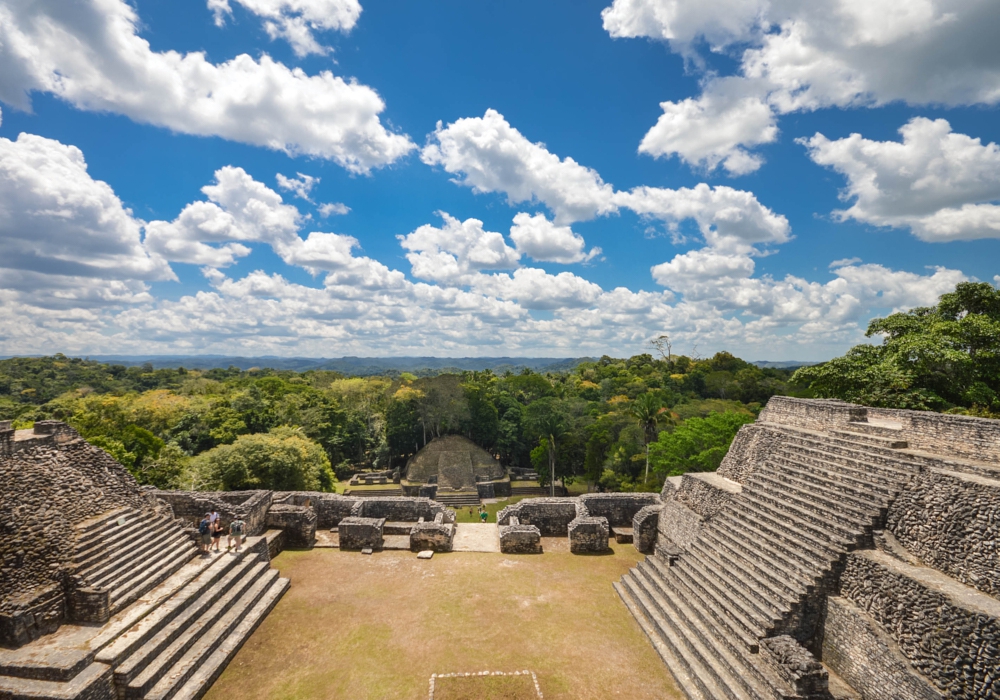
213 517
216 534
483 515
205 533
235 532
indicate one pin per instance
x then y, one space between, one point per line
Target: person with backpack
205 531
235 532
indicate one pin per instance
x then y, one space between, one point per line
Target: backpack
203 527
236 527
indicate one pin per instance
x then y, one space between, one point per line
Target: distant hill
784 364
356 366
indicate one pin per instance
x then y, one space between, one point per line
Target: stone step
810 495
809 467
787 585
774 539
753 594
808 523
97 543
742 632
124 561
697 681
149 577
786 528
129 652
857 472
152 669
210 669
188 664
892 466
829 519
858 497
98 523
93 682
727 604
730 666
772 561
97 554
889 443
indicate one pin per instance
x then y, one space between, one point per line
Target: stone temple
839 552
455 471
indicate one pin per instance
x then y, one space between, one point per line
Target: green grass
376 627
463 516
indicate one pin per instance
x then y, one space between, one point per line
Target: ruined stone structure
102 594
455 471
839 552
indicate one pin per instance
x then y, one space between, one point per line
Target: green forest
613 424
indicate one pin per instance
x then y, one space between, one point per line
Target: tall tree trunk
552 465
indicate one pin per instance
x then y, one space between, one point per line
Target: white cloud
940 184
296 20
453 252
90 55
492 156
804 55
332 208
542 240
713 129
65 237
301 185
533 288
726 217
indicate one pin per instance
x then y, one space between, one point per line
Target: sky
323 178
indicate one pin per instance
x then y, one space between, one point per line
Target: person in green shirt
483 515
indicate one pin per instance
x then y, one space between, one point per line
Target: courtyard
357 626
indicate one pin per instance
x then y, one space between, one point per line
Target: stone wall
644 528
552 516
948 633
49 482
706 493
401 508
588 535
749 449
678 524
298 522
516 538
811 414
436 535
963 436
952 522
249 506
618 508
330 508
361 533
857 650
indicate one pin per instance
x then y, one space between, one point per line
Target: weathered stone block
361 533
298 522
436 536
516 538
588 535
644 528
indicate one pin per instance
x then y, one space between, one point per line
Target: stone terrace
831 556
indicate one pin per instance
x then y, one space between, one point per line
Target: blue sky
757 177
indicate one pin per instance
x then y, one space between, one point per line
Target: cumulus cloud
799 55
332 208
941 185
65 237
301 186
544 241
89 53
455 251
489 155
296 20
726 217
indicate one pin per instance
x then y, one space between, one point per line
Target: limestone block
436 536
588 534
644 527
298 522
516 538
361 533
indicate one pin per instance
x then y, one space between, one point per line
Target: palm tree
546 419
648 410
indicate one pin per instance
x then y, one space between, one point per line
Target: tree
546 420
281 460
647 409
697 444
939 358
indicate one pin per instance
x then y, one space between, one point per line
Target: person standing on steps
216 534
235 532
205 532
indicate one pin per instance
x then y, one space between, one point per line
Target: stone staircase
762 565
540 491
125 553
374 493
172 642
458 499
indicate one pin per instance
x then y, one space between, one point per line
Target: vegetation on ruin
942 358
264 428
